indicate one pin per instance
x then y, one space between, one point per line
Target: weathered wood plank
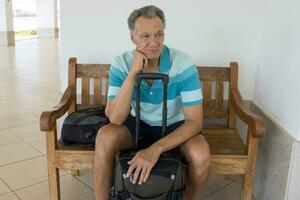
214 73
92 70
85 90
219 93
97 91
207 93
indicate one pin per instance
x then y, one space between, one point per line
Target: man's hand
138 62
141 164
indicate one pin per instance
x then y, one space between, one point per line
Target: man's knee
111 138
105 138
197 154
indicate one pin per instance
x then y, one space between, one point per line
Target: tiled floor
29 84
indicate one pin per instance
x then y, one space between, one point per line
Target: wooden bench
229 154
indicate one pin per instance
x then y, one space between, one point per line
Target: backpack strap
90 112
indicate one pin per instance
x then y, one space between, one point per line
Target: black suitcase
167 177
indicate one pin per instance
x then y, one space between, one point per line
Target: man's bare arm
118 109
191 126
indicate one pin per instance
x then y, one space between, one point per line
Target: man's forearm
187 130
122 102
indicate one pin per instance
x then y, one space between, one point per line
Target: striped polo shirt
183 89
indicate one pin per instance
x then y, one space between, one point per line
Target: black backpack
167 177
81 127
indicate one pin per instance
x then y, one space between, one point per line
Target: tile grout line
27 186
83 183
217 190
21 161
21 125
16 195
6 186
32 145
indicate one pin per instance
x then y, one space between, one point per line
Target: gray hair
147 12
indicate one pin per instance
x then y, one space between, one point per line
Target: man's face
148 36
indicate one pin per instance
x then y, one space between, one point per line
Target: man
184 109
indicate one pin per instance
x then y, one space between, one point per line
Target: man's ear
133 39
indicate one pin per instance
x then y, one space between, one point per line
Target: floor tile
230 192
86 177
25 173
8 138
39 144
71 189
26 133
17 120
16 152
8 196
215 182
3 188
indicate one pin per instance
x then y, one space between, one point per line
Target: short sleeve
191 93
116 78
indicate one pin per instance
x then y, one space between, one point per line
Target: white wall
6 19
277 85
213 32
47 13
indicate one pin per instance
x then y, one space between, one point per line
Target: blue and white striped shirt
183 89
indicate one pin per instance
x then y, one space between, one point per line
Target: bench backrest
214 82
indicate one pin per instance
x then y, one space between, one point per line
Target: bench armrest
255 122
48 118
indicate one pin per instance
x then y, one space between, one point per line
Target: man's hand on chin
142 163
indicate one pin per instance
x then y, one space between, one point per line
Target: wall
277 85
6 23
212 32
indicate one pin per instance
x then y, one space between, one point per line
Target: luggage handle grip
153 76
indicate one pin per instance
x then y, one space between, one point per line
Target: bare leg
110 140
196 152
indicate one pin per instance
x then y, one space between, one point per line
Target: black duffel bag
166 180
81 127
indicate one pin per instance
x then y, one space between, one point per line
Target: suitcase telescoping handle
151 76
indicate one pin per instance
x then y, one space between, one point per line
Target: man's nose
153 41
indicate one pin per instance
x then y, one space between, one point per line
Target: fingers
130 170
147 174
142 175
142 56
136 174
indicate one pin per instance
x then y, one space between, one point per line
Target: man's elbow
115 120
198 125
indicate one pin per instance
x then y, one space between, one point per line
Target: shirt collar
164 60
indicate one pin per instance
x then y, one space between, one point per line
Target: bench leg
53 172
250 172
248 187
75 172
54 185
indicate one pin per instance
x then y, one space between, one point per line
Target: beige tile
17 120
8 196
39 144
86 177
71 189
26 133
24 173
7 108
3 188
16 152
230 192
8 138
215 182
